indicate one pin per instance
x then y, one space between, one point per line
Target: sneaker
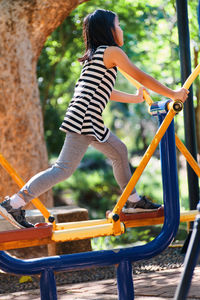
15 216
143 205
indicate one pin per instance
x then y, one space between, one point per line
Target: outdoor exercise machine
165 110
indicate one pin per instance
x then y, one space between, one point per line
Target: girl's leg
73 150
114 149
117 152
71 154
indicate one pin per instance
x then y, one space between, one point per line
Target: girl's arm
114 56
119 96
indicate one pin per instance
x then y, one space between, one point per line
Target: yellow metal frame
61 233
36 202
194 165
112 225
185 217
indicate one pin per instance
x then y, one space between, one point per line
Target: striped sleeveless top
91 94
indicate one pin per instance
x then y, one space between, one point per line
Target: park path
160 285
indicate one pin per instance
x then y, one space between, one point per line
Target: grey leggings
73 150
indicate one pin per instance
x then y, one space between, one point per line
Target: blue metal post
48 285
125 281
189 114
169 170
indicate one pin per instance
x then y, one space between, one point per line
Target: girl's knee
121 152
64 169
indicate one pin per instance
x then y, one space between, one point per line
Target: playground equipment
113 225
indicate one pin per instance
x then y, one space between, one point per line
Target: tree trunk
24 27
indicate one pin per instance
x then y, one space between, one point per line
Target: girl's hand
140 95
180 94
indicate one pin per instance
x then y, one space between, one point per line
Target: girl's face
118 33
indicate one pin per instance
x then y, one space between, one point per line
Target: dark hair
97 31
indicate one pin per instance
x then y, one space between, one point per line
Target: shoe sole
137 210
9 218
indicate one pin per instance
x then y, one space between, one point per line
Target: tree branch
45 16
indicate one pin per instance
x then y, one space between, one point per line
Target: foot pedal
140 215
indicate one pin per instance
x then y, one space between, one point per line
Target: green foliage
132 237
150 182
135 237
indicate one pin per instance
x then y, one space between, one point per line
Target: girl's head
101 28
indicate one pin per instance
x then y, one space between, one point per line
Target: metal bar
189 262
125 281
48 285
70 225
184 217
36 202
192 77
24 243
189 118
188 156
137 85
85 232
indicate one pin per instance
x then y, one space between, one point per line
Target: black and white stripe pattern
91 94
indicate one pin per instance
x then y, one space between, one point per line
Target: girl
83 121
